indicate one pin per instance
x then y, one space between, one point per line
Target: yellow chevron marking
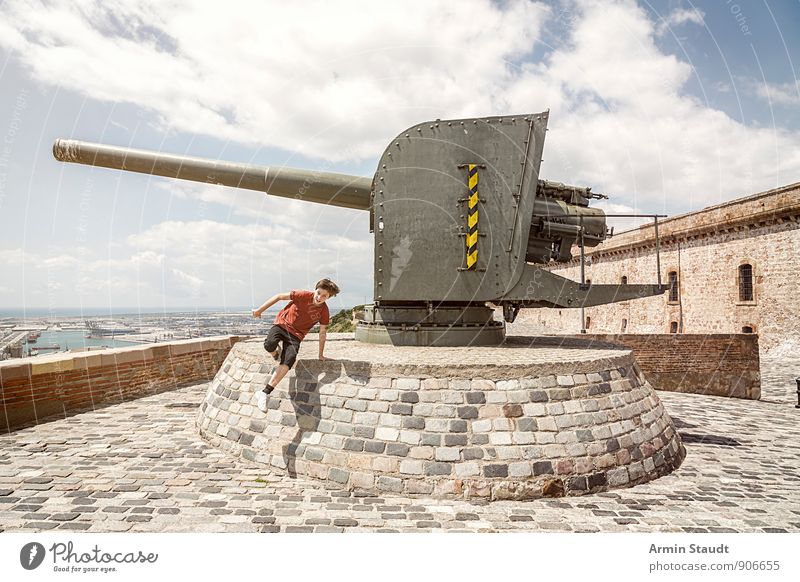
472 218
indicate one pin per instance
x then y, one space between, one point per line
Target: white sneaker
261 400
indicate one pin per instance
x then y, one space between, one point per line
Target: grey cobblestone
414 422
374 446
476 398
364 432
397 449
740 474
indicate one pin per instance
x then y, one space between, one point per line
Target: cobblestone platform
140 466
541 417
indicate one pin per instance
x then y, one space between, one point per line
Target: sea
72 339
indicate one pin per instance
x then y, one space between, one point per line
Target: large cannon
460 216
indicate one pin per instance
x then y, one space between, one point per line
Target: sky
666 106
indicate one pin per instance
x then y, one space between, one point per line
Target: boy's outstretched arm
270 302
323 335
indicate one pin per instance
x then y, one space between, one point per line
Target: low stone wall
515 422
713 364
34 388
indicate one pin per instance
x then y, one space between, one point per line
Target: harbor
22 337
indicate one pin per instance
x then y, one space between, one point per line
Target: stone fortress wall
705 249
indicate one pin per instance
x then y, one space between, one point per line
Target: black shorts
291 345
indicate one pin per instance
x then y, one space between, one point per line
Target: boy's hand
256 314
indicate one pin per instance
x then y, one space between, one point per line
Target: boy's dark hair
328 286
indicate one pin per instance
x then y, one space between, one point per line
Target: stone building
731 268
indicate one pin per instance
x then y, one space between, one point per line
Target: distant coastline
111 311
32 332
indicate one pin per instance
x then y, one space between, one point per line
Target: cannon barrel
310 186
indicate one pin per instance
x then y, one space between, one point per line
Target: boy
305 309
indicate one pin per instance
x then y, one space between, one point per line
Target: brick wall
706 249
34 388
713 364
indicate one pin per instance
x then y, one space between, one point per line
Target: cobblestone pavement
140 466
778 378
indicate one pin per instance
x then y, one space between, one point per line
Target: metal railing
655 218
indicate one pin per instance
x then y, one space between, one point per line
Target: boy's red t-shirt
300 315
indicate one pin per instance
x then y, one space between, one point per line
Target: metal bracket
521 183
510 311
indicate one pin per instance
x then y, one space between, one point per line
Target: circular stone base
535 417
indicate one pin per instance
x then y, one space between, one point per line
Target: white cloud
196 263
624 125
622 223
327 79
298 216
777 93
14 257
336 81
61 261
678 17
243 264
721 87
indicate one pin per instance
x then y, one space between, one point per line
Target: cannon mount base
426 324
